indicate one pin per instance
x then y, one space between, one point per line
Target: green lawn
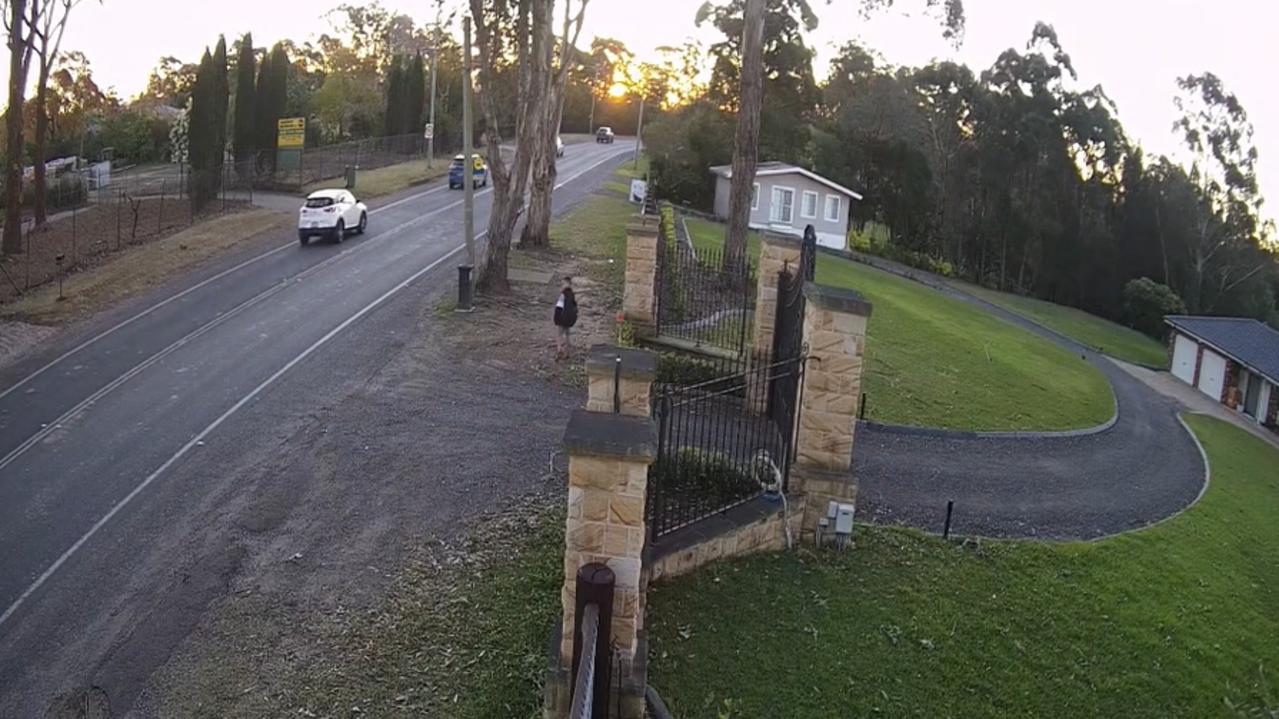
385 180
1115 340
939 362
1179 620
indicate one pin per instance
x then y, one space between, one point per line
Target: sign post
290 138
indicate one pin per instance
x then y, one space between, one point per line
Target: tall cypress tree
222 102
415 94
263 122
200 130
394 118
245 96
272 99
279 81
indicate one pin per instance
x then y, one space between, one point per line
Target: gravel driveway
1144 468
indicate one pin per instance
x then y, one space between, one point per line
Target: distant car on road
559 146
479 172
331 214
604 135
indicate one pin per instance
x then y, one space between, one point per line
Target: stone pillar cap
641 223
636 363
604 434
837 299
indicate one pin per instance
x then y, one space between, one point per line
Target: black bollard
950 508
464 288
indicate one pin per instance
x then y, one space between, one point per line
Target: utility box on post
348 174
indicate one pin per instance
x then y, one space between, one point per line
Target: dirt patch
110 276
16 338
87 237
515 331
424 632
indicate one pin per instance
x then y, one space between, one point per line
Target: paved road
1144 468
108 438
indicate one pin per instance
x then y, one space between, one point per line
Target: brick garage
1233 360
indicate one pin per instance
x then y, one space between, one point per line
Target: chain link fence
326 162
101 209
92 215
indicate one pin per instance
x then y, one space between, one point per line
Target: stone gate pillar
776 252
835 331
633 375
639 296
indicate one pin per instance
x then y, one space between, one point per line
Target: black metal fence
701 299
719 445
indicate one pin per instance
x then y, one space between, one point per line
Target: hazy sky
1134 48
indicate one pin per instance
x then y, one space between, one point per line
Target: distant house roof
1249 342
766 169
157 109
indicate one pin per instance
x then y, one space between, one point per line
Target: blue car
479 172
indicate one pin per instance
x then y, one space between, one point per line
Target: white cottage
788 198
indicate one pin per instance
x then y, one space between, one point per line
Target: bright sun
617 90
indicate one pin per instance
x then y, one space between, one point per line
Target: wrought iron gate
701 299
788 335
716 447
724 441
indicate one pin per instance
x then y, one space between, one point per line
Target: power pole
468 176
595 80
639 132
590 124
430 141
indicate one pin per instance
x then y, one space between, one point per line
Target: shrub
1146 302
701 475
680 369
682 144
625 333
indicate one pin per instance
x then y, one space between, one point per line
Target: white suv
331 214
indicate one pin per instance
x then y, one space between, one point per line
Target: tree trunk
12 243
510 182
41 139
746 139
1163 245
537 226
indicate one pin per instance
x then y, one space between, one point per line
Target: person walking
565 318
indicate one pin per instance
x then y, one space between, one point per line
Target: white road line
194 441
214 425
180 295
252 260
52 426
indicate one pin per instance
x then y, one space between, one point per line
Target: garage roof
1245 340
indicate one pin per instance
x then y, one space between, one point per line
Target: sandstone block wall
639 296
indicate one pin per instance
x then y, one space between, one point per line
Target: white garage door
1212 374
1184 352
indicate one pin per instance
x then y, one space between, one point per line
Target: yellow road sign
290 132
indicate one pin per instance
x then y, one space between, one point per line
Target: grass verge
935 361
596 230
141 267
1115 340
1177 620
385 180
